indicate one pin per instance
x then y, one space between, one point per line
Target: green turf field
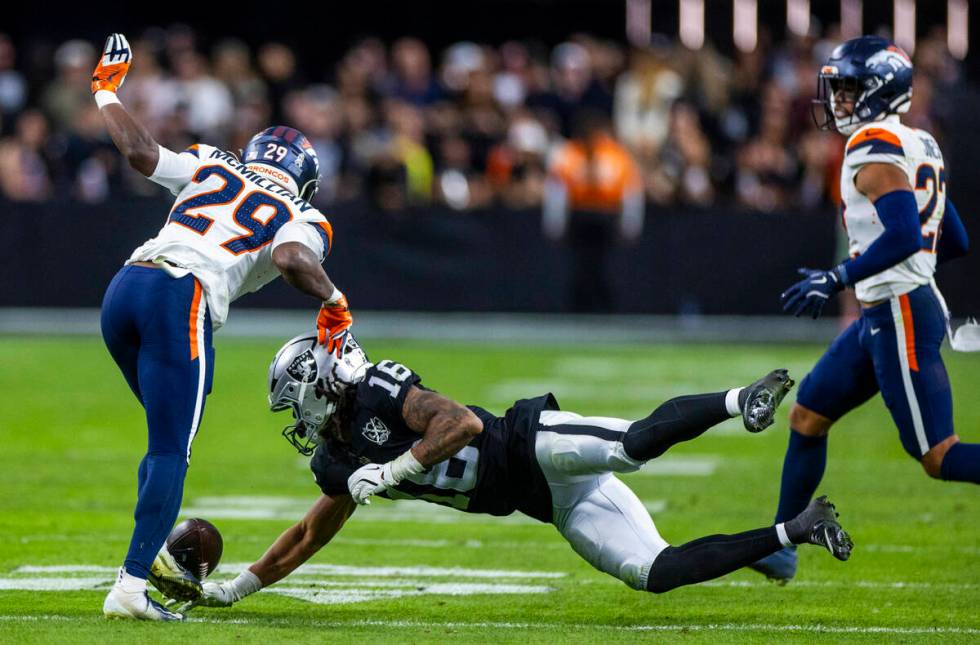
71 436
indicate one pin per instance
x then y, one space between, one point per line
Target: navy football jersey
496 473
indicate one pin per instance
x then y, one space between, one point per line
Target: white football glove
376 478
369 480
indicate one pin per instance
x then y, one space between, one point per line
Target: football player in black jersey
374 429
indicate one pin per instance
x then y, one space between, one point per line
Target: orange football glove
111 71
333 324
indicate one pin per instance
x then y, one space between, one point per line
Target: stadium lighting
905 25
798 16
745 24
851 18
638 19
958 28
692 23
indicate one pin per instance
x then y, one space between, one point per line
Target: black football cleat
173 580
760 400
819 521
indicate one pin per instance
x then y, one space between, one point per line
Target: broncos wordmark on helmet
287 157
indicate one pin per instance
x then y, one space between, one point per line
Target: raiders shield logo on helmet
303 367
376 431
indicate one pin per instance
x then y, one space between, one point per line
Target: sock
710 557
962 463
783 536
733 401
803 466
676 420
156 510
130 583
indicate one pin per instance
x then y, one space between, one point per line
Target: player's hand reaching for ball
111 71
333 323
220 594
215 595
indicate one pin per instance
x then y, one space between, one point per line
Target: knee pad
565 455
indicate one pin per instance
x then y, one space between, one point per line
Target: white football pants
603 520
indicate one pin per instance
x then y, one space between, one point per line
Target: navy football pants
158 331
892 348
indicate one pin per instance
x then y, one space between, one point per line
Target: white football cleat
135 605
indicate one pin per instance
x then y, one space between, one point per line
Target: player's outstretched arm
446 427
130 136
295 546
301 268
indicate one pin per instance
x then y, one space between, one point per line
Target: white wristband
405 465
245 584
334 297
105 97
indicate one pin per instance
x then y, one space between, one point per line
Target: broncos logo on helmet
873 72
285 156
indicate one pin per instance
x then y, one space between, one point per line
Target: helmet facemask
312 408
867 107
313 384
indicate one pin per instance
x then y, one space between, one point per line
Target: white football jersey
917 153
225 223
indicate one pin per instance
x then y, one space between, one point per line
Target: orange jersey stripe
329 231
909 332
192 319
875 133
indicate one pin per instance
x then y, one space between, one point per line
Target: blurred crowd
469 127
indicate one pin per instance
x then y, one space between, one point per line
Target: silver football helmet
307 379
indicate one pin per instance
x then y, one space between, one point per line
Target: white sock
781 533
731 401
129 583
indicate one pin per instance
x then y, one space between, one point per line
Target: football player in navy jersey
374 429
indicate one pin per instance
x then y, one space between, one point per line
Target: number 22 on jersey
931 216
258 213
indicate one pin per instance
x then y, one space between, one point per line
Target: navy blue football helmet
873 71
287 157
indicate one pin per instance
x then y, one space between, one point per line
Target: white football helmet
307 379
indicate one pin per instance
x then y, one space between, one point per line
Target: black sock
679 419
710 557
803 466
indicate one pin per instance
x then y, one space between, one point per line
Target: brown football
196 545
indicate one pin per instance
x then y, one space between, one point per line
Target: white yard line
340 596
55 584
327 569
686 466
715 627
865 584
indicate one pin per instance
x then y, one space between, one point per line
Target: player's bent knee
807 422
932 461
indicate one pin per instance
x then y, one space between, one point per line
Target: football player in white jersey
234 227
900 224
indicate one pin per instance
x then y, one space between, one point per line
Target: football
196 545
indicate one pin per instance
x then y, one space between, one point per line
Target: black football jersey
496 473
